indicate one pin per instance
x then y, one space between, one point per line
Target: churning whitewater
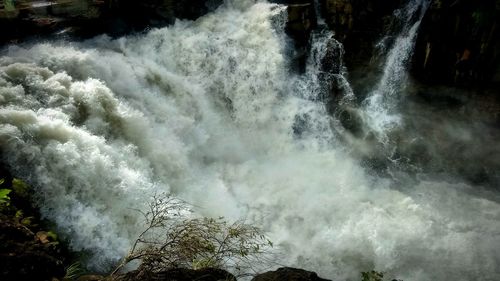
208 111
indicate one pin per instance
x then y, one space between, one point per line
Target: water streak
380 107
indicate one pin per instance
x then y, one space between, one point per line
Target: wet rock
86 18
458 43
358 24
332 60
194 9
301 21
179 274
352 121
42 237
339 13
288 274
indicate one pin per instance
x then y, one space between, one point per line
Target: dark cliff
458 42
86 18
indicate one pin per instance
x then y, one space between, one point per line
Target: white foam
205 110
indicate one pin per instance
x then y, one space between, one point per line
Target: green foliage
373 276
15 202
173 239
27 221
19 215
20 188
4 197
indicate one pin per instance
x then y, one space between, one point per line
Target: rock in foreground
288 274
179 274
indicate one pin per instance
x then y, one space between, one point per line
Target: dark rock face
195 8
358 24
302 20
459 43
87 18
151 11
288 274
28 251
180 274
25 255
332 60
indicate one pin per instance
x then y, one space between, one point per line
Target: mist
210 112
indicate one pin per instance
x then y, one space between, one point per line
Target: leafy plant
172 239
20 188
17 188
372 276
52 235
4 197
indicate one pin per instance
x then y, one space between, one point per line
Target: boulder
179 274
288 274
332 59
301 21
358 24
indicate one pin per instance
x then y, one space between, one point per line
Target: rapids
209 111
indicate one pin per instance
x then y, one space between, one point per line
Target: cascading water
324 80
206 110
380 107
314 87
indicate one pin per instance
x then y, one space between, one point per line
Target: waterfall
209 111
380 107
325 81
313 90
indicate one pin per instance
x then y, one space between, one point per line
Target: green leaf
4 196
27 221
52 235
20 188
19 214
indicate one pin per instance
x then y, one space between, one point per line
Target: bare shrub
172 239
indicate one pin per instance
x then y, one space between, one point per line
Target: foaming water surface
208 111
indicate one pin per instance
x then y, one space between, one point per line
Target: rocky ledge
214 274
23 19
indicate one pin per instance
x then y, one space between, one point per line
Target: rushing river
211 112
